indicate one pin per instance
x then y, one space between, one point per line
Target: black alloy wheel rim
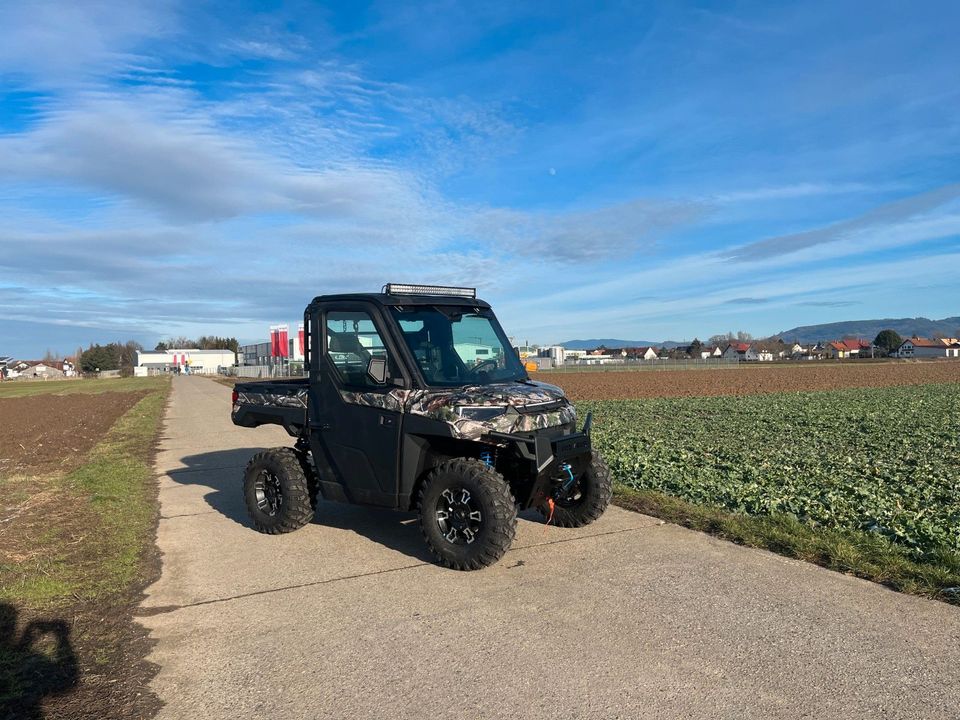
458 516
269 494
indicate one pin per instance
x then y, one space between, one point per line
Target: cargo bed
272 402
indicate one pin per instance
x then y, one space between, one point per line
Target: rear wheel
467 514
586 499
276 491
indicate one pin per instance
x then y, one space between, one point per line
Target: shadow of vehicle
37 664
222 472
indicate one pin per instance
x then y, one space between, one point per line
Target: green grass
23 388
100 520
861 480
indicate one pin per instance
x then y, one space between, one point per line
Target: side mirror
377 370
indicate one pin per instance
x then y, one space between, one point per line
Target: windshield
456 346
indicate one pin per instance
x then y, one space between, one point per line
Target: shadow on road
37 664
222 471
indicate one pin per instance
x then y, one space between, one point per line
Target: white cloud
875 220
615 231
164 154
56 42
797 190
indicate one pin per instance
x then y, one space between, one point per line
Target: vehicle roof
385 300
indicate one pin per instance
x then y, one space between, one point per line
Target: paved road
629 618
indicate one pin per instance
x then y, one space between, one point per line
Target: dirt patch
85 662
63 655
52 433
753 380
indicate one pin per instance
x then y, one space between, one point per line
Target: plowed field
750 380
45 433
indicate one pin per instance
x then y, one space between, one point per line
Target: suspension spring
488 457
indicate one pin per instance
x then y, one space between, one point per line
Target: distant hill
868 329
614 343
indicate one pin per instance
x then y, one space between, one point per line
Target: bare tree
128 355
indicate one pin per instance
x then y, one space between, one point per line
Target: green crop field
870 462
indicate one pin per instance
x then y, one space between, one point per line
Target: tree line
204 342
112 356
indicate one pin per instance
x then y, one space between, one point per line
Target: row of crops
883 460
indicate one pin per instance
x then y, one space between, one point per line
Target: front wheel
467 514
586 500
276 491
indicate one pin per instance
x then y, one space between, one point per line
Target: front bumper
548 455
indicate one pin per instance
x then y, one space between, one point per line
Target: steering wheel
477 368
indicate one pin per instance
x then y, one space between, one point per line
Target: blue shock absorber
487 457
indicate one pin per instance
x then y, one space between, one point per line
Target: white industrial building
192 360
556 353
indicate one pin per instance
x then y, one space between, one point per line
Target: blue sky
633 170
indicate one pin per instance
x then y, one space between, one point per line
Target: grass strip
862 554
118 480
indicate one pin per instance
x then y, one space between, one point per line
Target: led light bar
400 289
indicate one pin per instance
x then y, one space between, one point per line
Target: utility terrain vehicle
415 400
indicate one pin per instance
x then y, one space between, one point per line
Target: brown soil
83 659
85 662
53 433
752 380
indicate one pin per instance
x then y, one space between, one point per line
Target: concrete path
629 618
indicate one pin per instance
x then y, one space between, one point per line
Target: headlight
480 414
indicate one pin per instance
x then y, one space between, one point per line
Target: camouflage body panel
518 400
392 400
297 399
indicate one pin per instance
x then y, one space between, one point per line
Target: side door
356 419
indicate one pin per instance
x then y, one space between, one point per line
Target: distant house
38 369
811 352
849 348
952 345
642 353
711 352
741 351
838 350
917 347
